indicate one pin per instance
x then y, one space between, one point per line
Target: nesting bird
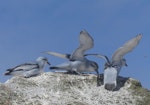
113 66
28 69
78 63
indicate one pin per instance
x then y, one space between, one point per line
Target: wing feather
24 67
86 42
65 56
126 48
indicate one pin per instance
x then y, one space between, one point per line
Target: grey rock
64 89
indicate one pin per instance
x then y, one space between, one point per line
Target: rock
64 89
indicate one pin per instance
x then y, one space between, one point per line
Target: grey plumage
65 56
113 66
77 61
28 69
86 43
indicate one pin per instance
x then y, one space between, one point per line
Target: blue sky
29 27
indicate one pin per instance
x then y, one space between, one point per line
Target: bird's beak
48 63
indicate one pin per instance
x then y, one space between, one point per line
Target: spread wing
126 48
86 42
65 56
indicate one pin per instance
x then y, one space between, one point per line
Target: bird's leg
75 71
78 73
99 79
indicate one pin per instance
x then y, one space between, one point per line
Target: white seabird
113 67
77 62
28 69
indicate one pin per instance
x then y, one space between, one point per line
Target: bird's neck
41 64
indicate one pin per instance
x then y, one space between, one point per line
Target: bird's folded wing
24 67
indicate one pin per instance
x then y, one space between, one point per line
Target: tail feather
110 86
10 70
7 73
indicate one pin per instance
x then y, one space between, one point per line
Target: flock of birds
78 63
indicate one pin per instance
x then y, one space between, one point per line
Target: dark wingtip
48 63
83 31
139 35
10 70
7 73
110 87
53 67
68 56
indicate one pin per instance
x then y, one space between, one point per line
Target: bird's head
43 59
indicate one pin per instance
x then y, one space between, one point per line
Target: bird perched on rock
113 66
28 69
77 62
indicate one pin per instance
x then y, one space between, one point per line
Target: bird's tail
110 86
7 73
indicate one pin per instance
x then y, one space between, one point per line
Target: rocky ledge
64 89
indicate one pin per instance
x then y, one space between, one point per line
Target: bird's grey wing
63 66
66 56
126 48
99 56
24 67
86 42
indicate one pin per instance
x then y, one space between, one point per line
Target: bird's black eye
106 65
115 66
45 59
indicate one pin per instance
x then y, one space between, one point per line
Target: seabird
113 66
28 69
77 62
